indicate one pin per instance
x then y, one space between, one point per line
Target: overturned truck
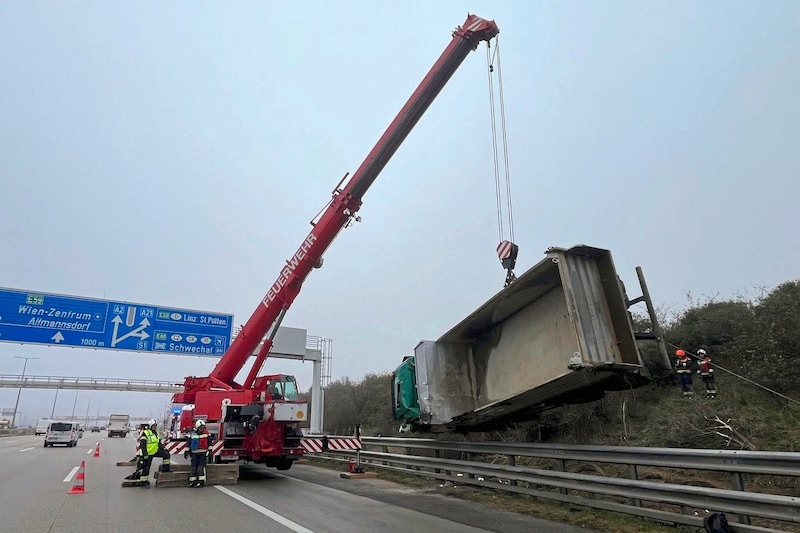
560 334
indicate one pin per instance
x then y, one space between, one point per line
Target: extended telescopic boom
338 214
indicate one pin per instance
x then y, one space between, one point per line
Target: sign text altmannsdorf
41 318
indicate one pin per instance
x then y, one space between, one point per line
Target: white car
66 433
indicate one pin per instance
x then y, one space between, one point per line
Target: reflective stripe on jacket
684 366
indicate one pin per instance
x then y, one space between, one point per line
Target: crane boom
338 214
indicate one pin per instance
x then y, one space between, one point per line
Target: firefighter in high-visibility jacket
199 446
706 372
150 446
683 367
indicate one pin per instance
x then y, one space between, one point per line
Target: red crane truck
258 420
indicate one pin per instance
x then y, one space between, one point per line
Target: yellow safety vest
151 440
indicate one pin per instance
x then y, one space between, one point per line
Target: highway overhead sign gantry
55 319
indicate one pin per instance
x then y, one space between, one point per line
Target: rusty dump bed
560 333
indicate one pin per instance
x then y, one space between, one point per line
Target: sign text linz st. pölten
41 318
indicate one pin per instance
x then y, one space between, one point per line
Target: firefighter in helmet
150 446
706 372
199 446
683 367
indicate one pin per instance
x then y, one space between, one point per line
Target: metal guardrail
603 492
741 461
84 383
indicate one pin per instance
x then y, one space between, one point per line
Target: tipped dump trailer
561 333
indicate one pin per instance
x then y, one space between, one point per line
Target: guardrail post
561 465
437 454
633 473
737 483
384 449
512 461
408 452
471 459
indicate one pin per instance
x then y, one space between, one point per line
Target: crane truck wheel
284 464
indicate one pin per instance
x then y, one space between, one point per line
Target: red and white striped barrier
217 447
309 444
335 444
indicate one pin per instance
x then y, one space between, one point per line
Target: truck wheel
284 464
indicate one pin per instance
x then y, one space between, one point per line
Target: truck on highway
42 425
119 425
559 334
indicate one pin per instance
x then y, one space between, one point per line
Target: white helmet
151 422
701 352
199 423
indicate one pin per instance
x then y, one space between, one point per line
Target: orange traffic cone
97 450
78 487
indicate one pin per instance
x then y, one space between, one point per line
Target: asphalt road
35 484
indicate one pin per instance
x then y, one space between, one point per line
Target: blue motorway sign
41 318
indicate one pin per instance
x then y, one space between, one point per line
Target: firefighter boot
164 467
145 484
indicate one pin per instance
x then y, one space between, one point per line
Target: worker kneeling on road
150 446
199 446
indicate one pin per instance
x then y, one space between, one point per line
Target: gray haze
174 153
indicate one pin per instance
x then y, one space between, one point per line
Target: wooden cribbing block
178 476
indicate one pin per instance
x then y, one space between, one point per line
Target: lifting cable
506 250
695 356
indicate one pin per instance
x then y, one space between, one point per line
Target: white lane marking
26 449
71 473
263 510
90 451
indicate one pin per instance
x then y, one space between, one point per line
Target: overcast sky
173 154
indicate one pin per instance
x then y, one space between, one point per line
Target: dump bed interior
561 333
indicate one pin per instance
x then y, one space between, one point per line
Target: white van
62 433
